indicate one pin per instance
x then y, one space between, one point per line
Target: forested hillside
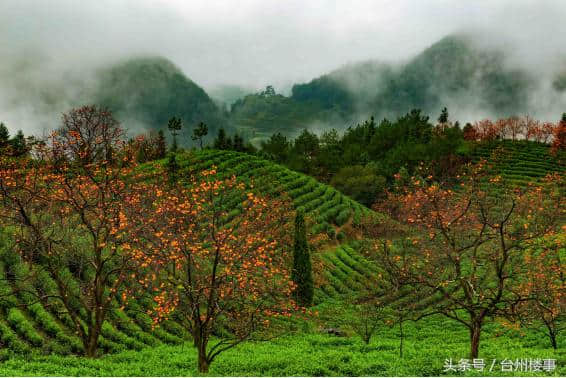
147 92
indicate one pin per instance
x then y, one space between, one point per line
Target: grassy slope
325 205
38 329
428 342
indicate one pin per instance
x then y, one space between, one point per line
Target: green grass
427 345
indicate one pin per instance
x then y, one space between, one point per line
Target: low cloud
50 48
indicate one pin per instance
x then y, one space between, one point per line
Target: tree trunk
200 342
475 333
552 335
202 360
91 346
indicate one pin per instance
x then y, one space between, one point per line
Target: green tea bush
19 323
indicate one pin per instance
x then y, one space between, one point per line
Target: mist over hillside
142 92
473 79
473 82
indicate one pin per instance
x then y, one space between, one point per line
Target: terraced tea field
27 325
328 208
521 162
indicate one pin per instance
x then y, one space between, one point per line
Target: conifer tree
19 144
239 143
161 147
302 268
443 118
199 133
4 136
174 125
222 142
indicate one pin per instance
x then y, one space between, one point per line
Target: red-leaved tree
67 211
468 243
221 259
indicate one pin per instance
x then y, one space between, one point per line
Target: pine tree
199 133
302 268
174 125
4 136
239 143
19 145
443 118
161 145
221 142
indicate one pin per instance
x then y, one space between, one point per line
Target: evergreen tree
199 133
161 145
277 147
4 136
174 125
222 142
19 145
239 143
443 118
302 268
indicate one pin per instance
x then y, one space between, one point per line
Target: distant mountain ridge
145 92
151 90
454 72
450 71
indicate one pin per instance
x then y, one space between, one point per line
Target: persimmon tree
485 130
468 243
545 285
519 126
67 210
223 273
559 135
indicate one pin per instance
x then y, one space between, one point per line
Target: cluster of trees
81 212
474 251
225 142
147 147
514 128
153 145
362 160
16 146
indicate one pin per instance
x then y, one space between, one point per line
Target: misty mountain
226 95
142 92
452 72
472 82
149 91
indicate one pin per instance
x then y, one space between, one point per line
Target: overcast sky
252 43
255 42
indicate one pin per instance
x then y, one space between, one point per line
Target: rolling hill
44 333
27 326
